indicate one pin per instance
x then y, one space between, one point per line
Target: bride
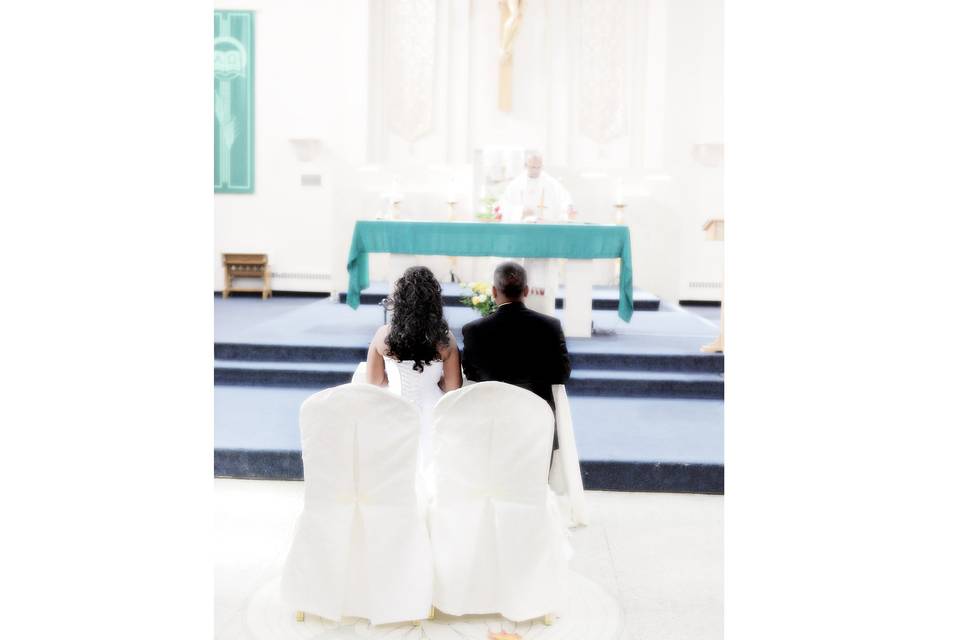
416 355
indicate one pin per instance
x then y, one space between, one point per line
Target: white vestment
525 192
549 202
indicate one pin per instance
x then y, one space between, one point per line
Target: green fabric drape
579 242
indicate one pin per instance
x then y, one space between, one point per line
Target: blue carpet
579 357
624 444
325 323
647 405
583 382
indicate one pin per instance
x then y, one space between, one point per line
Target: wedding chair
499 543
360 374
565 478
361 546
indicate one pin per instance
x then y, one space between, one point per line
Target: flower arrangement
479 296
491 211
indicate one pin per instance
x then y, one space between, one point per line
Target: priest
536 196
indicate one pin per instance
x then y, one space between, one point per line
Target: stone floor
660 556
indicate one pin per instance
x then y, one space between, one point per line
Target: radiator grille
300 275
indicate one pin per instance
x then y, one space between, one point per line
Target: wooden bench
246 265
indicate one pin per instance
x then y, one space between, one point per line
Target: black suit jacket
518 346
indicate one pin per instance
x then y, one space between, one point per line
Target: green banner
233 102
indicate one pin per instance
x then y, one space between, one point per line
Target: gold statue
511 13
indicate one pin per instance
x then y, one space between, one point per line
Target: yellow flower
475 300
482 297
480 287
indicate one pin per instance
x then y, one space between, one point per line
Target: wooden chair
246 265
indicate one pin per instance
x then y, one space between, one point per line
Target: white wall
318 75
309 58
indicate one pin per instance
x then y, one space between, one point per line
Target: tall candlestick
618 215
451 190
395 199
619 200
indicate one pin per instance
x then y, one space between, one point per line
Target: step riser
601 475
603 387
452 301
646 362
607 361
273 378
284 353
694 390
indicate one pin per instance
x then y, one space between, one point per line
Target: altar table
572 241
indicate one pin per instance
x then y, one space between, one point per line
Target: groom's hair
510 279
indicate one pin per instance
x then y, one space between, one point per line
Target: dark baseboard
664 477
699 303
276 294
599 304
601 475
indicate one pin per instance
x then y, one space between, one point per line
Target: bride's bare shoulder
450 347
380 337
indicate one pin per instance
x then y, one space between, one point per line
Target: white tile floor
659 555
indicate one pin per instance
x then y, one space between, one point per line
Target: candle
541 197
452 191
619 191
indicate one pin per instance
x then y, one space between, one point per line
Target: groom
514 344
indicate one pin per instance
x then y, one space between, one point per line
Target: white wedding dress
423 390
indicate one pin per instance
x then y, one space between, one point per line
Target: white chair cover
565 478
361 546
499 543
360 375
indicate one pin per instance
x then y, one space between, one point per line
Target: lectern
246 265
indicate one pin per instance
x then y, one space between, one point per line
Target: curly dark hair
418 329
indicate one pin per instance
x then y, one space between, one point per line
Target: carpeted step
604 298
620 384
579 358
624 444
249 352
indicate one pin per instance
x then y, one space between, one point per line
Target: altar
579 244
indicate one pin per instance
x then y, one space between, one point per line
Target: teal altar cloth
575 241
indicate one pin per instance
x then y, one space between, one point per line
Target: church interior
442 353
332 115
